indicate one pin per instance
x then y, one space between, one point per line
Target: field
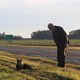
42 69
36 42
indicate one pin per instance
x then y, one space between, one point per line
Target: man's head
51 27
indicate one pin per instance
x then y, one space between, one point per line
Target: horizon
22 17
3 33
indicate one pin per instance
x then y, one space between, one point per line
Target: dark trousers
60 56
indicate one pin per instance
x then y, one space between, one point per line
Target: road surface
72 56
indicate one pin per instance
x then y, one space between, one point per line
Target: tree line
47 34
44 34
75 34
16 37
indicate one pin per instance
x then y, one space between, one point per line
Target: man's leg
61 57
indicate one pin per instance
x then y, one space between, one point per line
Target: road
72 56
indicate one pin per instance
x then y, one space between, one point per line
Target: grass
29 42
42 69
75 41
37 42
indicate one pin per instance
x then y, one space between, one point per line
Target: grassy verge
37 42
42 69
53 47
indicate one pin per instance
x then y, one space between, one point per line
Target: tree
44 34
75 34
17 38
2 35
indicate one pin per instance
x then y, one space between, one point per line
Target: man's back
59 36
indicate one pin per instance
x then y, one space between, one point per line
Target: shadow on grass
43 61
59 77
8 64
42 75
78 68
5 61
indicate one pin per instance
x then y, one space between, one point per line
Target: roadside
71 47
72 56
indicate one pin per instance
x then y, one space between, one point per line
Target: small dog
20 65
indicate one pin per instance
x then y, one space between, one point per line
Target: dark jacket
60 36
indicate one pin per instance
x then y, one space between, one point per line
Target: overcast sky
22 17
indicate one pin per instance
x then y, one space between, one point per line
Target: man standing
60 38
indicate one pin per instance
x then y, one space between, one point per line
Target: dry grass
42 69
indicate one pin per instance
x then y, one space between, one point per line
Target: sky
22 17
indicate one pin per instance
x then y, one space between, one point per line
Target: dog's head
19 61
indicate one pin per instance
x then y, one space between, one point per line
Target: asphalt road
72 56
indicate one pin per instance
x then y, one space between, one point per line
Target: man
60 38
